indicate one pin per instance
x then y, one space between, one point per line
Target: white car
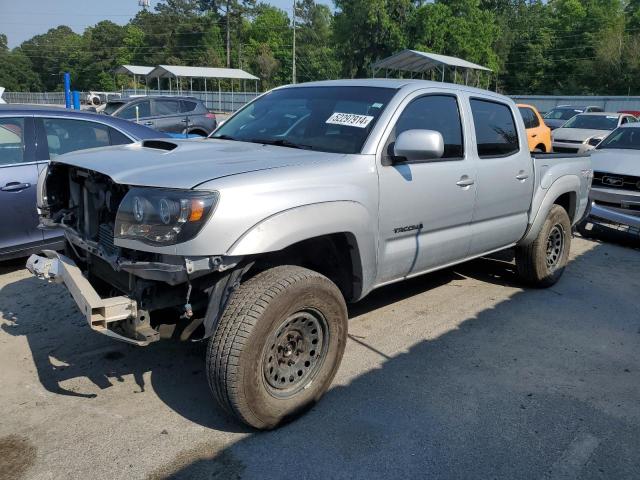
586 130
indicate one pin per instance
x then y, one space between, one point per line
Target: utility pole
293 70
228 34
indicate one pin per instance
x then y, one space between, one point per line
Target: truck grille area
85 201
612 180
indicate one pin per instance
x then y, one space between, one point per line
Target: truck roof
395 83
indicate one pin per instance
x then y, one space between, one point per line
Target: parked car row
29 138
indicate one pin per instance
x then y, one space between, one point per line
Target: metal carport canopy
175 71
133 70
418 62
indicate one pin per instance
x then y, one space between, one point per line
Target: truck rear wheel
277 346
542 262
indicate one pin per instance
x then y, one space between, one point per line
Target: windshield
328 119
622 138
111 107
593 122
562 113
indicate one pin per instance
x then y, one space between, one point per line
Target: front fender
544 199
308 221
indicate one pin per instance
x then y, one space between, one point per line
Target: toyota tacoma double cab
309 197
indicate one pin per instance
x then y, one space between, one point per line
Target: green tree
368 30
315 54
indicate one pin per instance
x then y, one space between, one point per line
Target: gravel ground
458 374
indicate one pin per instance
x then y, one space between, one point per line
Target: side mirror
418 145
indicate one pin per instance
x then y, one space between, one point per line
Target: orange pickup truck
538 134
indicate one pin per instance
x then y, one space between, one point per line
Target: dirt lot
459 374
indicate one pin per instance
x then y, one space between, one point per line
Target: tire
535 265
278 345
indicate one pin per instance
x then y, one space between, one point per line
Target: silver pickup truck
309 197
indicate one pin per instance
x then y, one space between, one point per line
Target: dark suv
186 115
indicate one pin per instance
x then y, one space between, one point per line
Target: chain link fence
218 101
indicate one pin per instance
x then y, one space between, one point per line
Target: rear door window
12 141
496 133
66 135
167 107
529 117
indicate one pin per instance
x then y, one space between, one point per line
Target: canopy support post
219 97
232 99
205 91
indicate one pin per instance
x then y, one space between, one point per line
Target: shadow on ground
545 384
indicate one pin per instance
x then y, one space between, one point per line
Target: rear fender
291 226
544 200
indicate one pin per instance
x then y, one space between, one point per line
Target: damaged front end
129 294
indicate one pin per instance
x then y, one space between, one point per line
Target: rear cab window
495 127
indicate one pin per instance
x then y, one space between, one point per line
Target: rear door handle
148 123
465 181
185 120
522 176
15 187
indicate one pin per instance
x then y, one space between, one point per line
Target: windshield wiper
281 142
224 137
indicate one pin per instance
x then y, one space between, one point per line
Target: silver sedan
586 130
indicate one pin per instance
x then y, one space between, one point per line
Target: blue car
29 138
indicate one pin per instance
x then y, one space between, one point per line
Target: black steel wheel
555 247
295 352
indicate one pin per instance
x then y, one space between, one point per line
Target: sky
22 20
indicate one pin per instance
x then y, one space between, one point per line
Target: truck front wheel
542 262
277 346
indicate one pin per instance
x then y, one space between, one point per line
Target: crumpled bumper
100 312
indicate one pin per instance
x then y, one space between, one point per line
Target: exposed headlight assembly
158 216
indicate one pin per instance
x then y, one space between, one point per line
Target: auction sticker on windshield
350 119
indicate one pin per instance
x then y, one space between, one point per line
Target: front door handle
148 123
465 181
185 120
15 187
522 176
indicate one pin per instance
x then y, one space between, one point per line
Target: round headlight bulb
138 209
165 211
